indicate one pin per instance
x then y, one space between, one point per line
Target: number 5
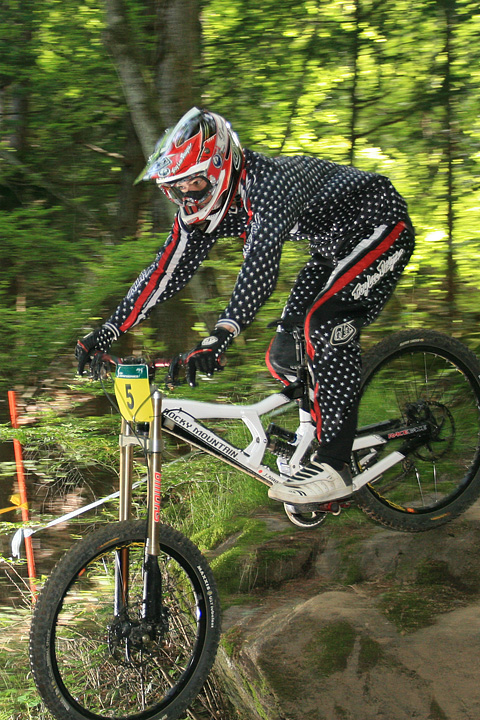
129 396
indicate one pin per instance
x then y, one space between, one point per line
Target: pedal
280 442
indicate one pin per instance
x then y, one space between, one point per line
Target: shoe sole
297 499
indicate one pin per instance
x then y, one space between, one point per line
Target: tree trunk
157 103
138 95
178 52
129 201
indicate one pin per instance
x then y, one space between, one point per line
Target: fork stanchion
12 403
155 475
122 575
153 611
126 458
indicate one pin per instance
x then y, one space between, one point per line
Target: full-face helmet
197 164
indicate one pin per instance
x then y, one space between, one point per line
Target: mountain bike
127 625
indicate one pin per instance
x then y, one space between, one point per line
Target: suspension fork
125 504
152 580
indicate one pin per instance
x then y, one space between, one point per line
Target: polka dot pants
352 297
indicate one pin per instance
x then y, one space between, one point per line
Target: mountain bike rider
361 239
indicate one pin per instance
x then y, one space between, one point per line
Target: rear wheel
425 378
90 662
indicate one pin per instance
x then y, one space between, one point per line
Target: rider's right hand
207 355
98 341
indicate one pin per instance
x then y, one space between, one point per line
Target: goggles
196 188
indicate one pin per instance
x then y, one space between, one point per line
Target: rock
401 641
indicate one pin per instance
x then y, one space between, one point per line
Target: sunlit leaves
361 81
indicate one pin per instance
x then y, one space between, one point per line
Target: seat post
303 374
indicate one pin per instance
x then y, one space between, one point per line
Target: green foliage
59 304
205 498
31 241
340 81
347 83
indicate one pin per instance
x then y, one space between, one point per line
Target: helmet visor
186 128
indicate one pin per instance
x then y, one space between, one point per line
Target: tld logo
342 334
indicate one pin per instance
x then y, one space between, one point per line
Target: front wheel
423 377
90 661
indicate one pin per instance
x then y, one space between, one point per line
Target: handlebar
102 360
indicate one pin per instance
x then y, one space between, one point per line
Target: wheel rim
432 382
103 677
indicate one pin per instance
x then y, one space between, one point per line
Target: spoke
423 387
136 676
419 483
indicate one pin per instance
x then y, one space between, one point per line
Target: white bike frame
180 419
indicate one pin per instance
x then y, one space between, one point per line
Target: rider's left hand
206 356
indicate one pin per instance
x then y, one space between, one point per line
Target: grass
202 497
18 696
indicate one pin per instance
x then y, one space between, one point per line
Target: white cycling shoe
317 482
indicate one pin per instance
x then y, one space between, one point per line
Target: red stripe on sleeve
153 281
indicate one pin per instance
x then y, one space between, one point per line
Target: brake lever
100 365
179 361
191 372
172 378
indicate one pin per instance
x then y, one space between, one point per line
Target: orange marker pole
23 492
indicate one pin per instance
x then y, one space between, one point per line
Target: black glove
98 341
206 356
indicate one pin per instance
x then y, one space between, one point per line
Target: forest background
86 88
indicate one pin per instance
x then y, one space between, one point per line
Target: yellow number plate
132 390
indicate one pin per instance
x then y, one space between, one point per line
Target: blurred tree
123 44
155 45
85 90
349 82
15 73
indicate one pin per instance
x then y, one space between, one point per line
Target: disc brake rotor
441 429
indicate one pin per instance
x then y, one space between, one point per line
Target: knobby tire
87 665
